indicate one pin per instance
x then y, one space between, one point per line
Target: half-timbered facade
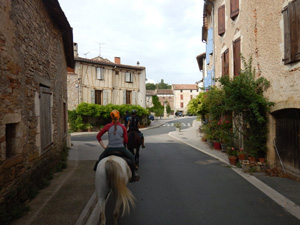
103 82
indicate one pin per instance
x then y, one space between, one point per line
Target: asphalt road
182 186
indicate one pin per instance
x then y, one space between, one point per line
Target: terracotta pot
251 159
262 160
232 160
242 156
217 145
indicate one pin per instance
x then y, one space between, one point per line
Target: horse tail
117 182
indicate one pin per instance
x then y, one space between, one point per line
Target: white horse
112 176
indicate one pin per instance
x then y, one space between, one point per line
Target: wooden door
288 136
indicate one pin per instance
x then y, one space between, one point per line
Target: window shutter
225 63
294 14
124 97
99 73
134 98
204 34
92 96
237 57
127 77
221 20
234 8
105 97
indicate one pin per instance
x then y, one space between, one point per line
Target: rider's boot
143 145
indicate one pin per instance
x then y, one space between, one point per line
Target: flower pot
217 145
251 159
262 160
223 147
232 160
241 156
204 139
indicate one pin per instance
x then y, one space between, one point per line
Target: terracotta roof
106 62
150 92
184 87
165 92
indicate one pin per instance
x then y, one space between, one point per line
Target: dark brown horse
134 142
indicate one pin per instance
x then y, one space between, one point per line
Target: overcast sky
163 35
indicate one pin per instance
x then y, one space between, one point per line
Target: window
128 77
100 73
181 97
191 97
11 139
181 104
117 72
234 8
237 57
291 17
45 118
191 91
98 97
221 20
225 63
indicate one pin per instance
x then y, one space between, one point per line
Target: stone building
164 96
36 46
183 93
269 32
102 82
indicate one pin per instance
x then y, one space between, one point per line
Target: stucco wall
32 54
260 27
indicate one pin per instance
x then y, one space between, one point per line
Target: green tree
163 85
150 86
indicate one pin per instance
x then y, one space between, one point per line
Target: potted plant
232 155
178 126
241 154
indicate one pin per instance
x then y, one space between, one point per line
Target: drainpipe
213 34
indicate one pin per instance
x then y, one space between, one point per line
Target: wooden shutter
225 63
105 97
45 118
234 8
100 73
124 97
294 11
92 96
221 20
237 57
134 97
291 18
204 34
128 97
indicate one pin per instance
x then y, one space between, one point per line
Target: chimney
75 47
138 63
117 60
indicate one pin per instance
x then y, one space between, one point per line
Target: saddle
119 154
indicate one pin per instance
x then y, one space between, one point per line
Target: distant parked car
179 114
151 117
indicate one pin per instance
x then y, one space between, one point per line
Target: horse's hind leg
117 210
102 203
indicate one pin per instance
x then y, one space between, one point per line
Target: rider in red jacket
117 138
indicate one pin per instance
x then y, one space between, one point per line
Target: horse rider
133 124
117 137
126 118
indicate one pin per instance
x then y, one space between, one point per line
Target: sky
163 35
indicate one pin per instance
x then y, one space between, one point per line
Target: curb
86 212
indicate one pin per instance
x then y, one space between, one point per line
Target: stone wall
32 54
